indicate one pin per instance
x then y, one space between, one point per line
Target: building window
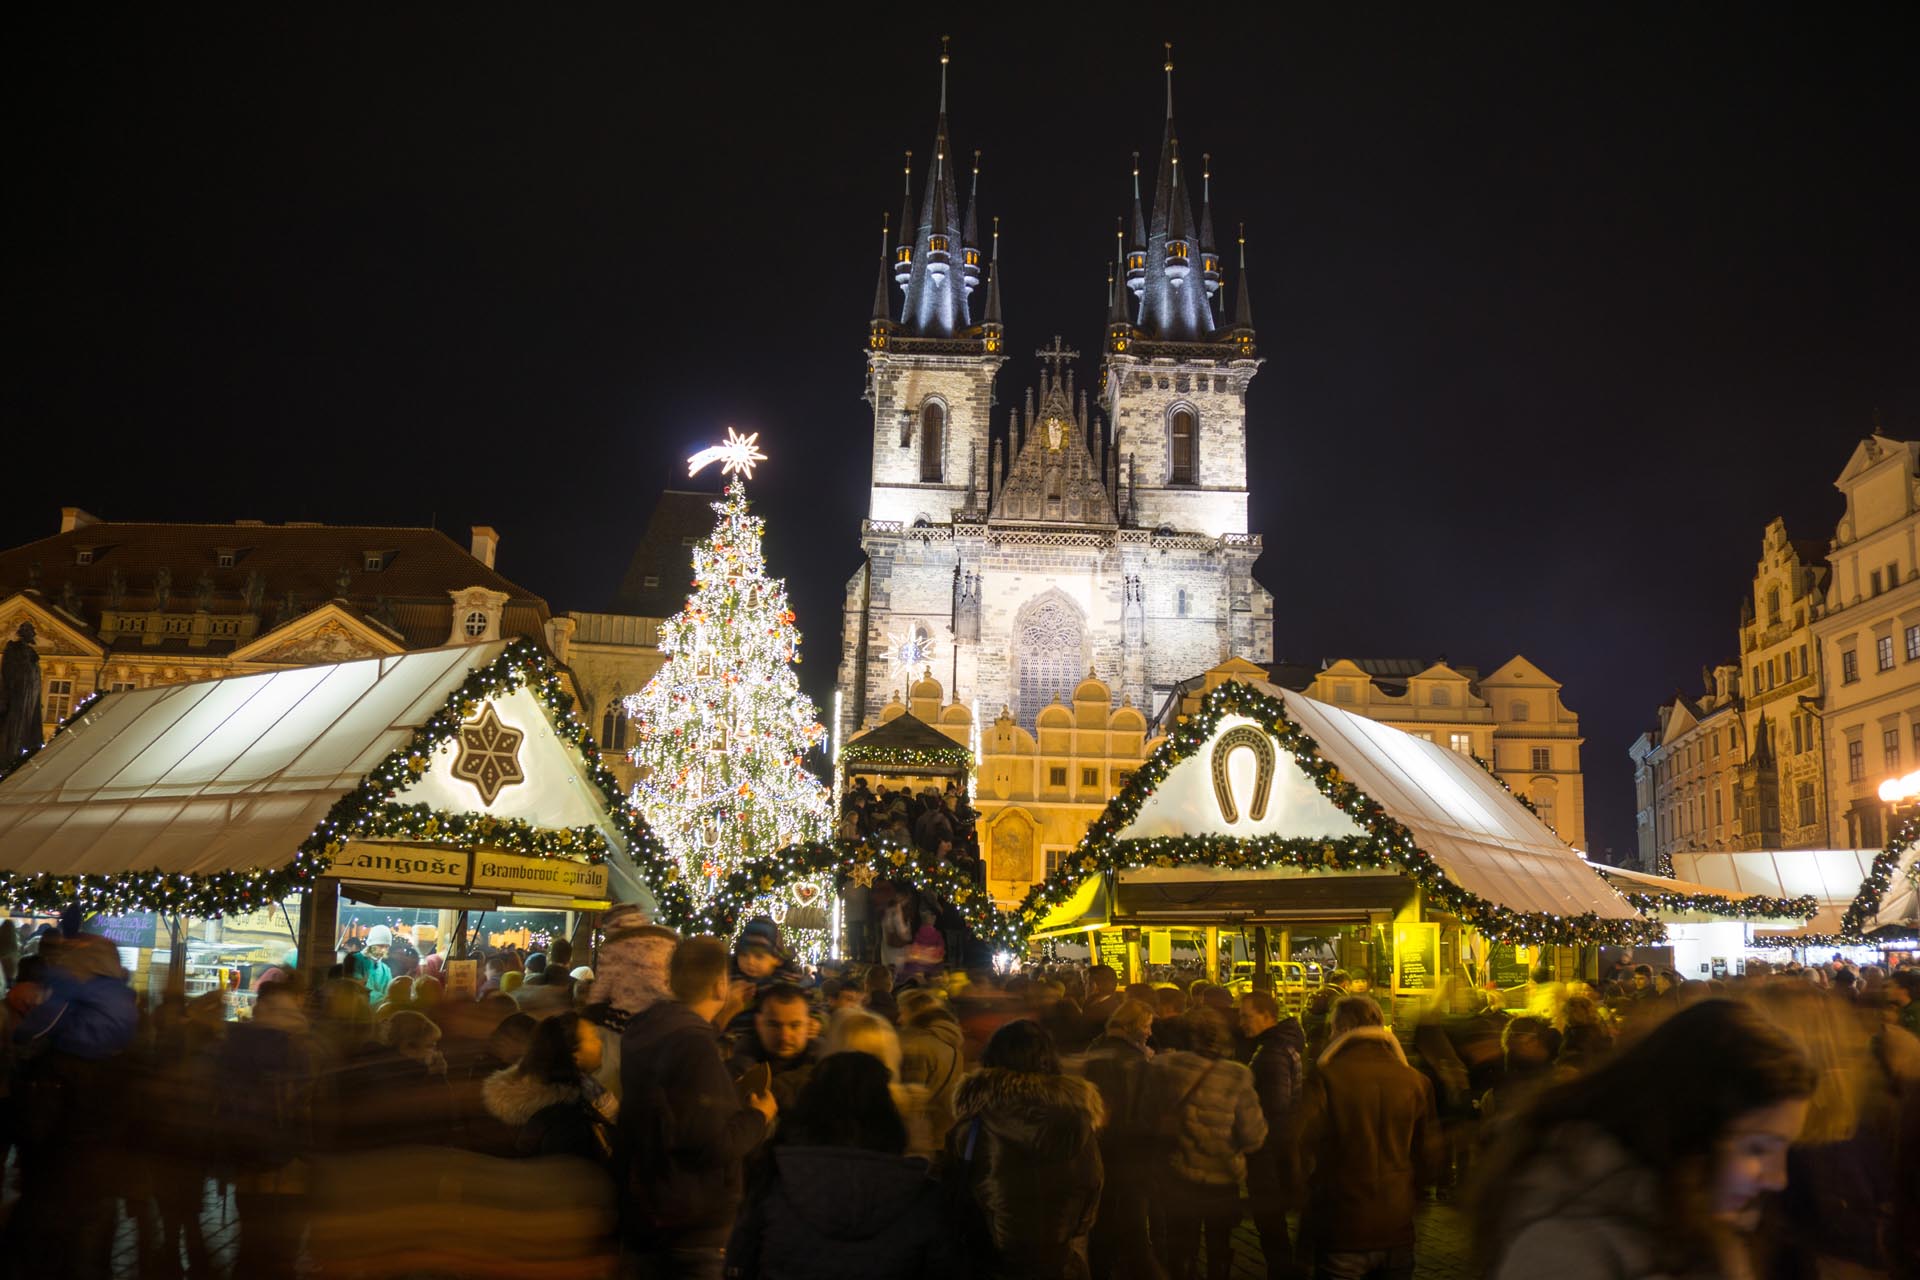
1893 576
128 686
374 562
1057 775
1786 666
1344 693
1423 735
933 431
59 700
1181 447
1517 712
1049 637
1890 749
1807 814
1873 581
224 560
1913 642
475 625
1441 696
1883 652
1856 760
613 728
650 581
1542 759
1797 748
1180 603
1089 777
1461 742
1772 674
1849 666
1718 816
1773 605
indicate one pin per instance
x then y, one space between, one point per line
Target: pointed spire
1139 214
993 279
971 232
944 58
882 312
1169 70
1206 202
903 254
940 276
1242 304
1118 314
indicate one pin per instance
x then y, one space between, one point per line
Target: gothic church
1098 529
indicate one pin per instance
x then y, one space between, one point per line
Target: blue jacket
88 1017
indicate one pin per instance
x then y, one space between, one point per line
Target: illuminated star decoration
736 455
911 651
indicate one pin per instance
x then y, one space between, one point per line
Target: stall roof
1460 815
235 773
1643 882
1830 876
905 734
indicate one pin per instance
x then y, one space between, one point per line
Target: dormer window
973 257
474 624
1177 249
83 555
223 559
1136 262
937 244
373 561
1442 696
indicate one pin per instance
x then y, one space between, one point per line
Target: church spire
939 280
1242 333
990 328
903 256
1136 251
1209 254
1174 289
970 232
882 313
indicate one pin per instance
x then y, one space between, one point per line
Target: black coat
1278 1074
546 1119
684 1129
1025 1146
840 1213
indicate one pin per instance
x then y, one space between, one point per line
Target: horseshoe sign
1263 758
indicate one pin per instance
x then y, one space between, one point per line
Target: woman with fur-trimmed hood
549 1098
1024 1148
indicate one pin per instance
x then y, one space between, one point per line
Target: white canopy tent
235 773
1832 877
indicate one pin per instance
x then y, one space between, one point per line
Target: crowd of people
690 1107
892 922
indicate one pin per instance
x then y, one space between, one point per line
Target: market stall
904 751
242 811
1866 900
1710 930
1292 832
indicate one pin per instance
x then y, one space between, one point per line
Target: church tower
1094 536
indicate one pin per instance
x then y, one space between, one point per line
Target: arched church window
1182 447
613 728
1049 638
933 439
1180 603
1773 605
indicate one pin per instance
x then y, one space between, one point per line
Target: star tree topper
736 455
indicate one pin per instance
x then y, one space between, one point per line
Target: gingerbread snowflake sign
489 755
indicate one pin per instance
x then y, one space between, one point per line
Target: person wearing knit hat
378 975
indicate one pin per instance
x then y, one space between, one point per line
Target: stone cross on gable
1057 354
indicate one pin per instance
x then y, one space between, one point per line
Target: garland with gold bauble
370 811
883 860
1387 843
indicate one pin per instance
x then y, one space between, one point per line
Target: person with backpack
1212 1116
1273 1179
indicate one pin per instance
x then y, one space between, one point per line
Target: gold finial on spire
976 162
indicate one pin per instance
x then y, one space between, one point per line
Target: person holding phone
685 1127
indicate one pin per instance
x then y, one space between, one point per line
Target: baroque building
129 605
1098 530
1688 773
1867 636
1782 799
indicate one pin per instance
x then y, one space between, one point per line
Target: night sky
1558 308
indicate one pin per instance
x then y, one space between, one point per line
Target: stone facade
1867 636
612 656
1689 770
1783 793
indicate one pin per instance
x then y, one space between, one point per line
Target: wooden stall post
1134 967
1213 953
1260 980
319 931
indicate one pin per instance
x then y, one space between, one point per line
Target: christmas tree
723 729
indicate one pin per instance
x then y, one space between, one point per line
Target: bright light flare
1896 790
737 453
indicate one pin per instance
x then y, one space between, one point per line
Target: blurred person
683 1124
377 975
880 992
492 970
395 1091
1319 1009
838 1198
1585 1038
630 977
539 994
1169 1020
1527 1049
1603 1177
1370 1130
1273 1174
549 1097
427 993
841 993
172 1101
780 1036
1024 1152
263 1117
1839 1203
932 1060
1209 1106
510 983
1118 1065
1103 997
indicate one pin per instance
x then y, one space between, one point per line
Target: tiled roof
660 575
293 568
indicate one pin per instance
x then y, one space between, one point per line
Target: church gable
1242 783
1054 476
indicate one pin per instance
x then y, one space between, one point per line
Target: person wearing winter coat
838 1199
932 1059
1370 1128
1024 1148
1209 1102
1273 1175
263 1117
549 1098
683 1125
1602 1178
1119 1065
629 977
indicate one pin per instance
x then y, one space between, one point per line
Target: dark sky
1558 308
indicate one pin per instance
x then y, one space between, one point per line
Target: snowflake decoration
489 755
737 453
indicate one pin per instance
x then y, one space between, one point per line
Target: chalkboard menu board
135 930
1416 957
1510 965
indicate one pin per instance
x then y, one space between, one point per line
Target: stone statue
19 697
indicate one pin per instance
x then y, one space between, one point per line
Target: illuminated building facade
1096 531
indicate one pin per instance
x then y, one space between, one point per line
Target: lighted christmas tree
723 730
